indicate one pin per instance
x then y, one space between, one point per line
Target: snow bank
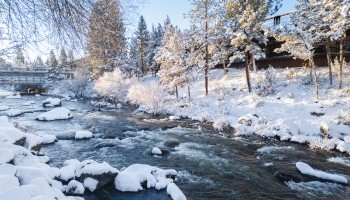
83 134
55 114
175 192
130 179
52 102
307 170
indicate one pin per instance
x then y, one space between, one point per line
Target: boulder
52 102
89 170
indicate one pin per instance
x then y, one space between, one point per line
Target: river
210 164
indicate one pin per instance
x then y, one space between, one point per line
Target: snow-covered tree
246 20
19 59
142 36
155 42
301 36
173 59
106 36
63 59
70 56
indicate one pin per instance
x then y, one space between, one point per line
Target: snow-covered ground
282 105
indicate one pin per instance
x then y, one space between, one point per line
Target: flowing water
210 165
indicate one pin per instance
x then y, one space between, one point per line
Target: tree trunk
176 92
224 66
247 70
206 48
329 59
253 61
341 64
189 93
313 67
141 64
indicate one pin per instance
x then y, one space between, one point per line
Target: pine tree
19 59
246 20
173 58
155 42
142 36
63 60
38 62
70 56
106 36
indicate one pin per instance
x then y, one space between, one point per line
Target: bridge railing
22 80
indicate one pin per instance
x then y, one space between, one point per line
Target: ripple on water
187 177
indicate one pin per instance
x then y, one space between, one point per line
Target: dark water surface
209 165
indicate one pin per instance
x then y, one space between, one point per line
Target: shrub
149 96
267 82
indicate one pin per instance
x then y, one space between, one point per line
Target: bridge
25 80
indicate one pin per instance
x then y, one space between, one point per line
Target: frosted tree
133 57
301 36
70 56
19 59
106 36
341 17
155 42
173 59
38 62
63 59
54 72
246 20
142 36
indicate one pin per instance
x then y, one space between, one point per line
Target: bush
267 82
113 85
149 96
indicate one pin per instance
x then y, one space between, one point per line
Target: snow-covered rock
6 155
33 142
14 96
175 192
156 151
75 187
83 134
55 114
52 102
48 139
102 172
8 182
13 112
9 133
174 117
131 178
307 170
90 184
3 108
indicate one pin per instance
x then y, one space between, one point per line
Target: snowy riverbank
289 112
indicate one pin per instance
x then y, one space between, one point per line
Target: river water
210 164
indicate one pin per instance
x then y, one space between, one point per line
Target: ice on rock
175 192
307 170
83 134
130 179
55 114
156 151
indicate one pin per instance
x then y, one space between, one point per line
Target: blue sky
155 11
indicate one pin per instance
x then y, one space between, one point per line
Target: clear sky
155 11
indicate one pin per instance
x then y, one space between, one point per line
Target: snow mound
8 132
55 114
307 170
75 187
130 179
175 192
83 134
52 102
174 117
156 151
94 168
6 155
49 139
